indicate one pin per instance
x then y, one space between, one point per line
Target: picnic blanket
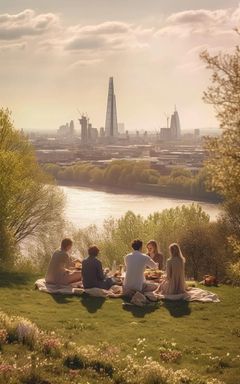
77 289
193 294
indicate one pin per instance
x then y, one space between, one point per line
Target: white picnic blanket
193 294
77 289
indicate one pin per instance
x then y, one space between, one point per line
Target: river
86 206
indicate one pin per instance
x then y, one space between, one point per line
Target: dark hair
93 251
66 243
137 244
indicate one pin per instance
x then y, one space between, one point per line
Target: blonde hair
175 251
154 244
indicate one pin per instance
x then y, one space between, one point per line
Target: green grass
201 331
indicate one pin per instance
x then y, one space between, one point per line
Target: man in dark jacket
92 271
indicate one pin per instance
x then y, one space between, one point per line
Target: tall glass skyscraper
175 126
111 125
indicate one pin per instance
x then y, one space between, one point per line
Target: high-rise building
66 130
102 132
197 132
121 128
84 128
111 125
71 127
175 126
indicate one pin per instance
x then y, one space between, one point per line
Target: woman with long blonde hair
174 282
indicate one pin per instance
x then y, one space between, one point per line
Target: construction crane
167 117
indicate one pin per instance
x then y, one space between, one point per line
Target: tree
29 204
205 250
223 164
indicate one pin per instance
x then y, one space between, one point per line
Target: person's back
176 272
176 276
136 262
60 269
92 272
57 265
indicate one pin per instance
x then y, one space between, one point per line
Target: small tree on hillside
29 205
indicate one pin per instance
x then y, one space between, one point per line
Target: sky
56 57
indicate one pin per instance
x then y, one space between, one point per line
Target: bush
233 273
75 362
205 252
204 243
20 329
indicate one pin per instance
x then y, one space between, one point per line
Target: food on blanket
78 264
153 274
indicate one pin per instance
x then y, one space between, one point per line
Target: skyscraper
175 125
111 125
84 128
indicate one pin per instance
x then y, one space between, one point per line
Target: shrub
204 243
27 332
206 250
20 329
75 362
233 273
34 378
51 346
101 367
3 336
5 372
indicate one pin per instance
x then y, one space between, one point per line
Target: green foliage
205 244
134 175
206 250
223 164
29 206
233 273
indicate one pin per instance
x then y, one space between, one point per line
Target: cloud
86 42
13 47
106 28
200 16
85 63
26 23
201 22
110 36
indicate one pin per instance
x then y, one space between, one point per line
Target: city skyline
57 56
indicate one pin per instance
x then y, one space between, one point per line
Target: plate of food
153 274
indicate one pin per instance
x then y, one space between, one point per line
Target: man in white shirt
136 262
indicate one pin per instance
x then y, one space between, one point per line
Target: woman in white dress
174 282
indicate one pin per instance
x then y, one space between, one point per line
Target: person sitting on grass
136 262
174 282
92 271
153 252
60 269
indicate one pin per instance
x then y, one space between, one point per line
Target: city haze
57 57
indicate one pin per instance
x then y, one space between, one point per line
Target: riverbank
145 190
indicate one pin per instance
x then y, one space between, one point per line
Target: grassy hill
205 336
